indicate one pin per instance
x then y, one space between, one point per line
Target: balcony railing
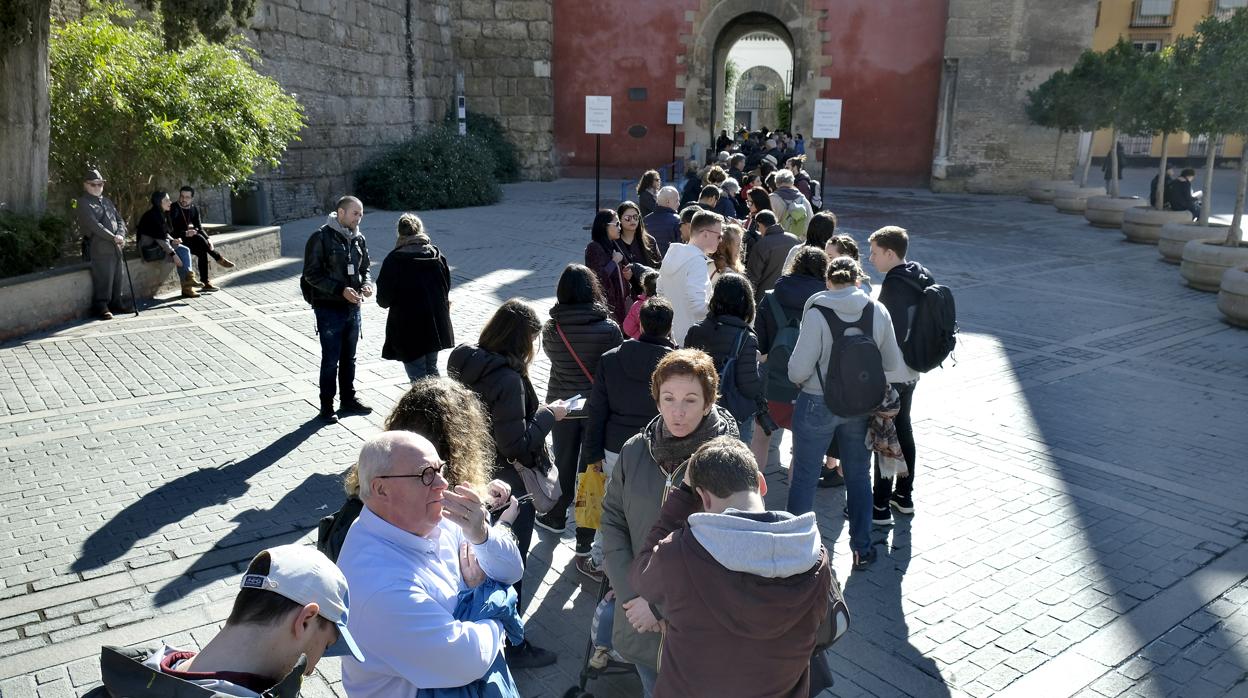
1223 9
1152 19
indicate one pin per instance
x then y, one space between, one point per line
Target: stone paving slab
1081 505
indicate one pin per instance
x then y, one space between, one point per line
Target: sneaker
587 567
903 504
354 406
863 560
527 655
327 415
881 517
208 287
831 478
583 549
225 262
552 523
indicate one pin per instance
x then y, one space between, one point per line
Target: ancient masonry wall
995 51
504 49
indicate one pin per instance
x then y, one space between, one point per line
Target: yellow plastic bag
591 485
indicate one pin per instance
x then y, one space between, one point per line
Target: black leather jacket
330 254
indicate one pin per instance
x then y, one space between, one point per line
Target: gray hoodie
810 356
771 544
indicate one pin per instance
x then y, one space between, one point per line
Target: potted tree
1049 105
1080 88
1223 52
1233 295
1156 107
1115 75
1199 99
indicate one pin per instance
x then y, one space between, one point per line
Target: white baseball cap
304 575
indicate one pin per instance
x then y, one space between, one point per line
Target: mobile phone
521 499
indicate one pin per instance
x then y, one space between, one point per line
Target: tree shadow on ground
179 499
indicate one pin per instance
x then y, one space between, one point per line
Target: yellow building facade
1152 25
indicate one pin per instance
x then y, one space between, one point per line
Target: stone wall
503 48
995 51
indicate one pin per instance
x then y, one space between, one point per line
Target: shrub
29 243
490 130
436 169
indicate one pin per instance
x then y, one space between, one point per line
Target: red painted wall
886 65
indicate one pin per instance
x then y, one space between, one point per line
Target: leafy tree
1104 81
1050 104
436 169
1154 105
1221 60
784 112
732 76
147 116
1197 105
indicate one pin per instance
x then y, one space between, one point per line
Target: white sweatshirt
685 280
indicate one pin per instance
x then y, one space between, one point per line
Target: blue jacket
489 600
664 226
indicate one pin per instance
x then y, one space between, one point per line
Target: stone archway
720 23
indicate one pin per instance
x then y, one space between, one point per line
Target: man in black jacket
336 274
188 228
663 223
620 405
1181 196
764 263
1165 188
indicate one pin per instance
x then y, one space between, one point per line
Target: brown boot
188 290
225 262
194 279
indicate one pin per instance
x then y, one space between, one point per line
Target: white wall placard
827 119
597 114
675 113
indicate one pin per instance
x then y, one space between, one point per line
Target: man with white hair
793 210
415 546
663 223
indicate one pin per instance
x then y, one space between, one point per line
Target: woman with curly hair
727 256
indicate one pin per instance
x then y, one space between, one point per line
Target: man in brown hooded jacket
741 590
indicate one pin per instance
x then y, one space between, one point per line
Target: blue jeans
184 254
648 677
426 365
339 330
746 427
814 425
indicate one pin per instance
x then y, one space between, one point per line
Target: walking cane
130 280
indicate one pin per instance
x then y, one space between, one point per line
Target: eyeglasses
426 476
630 218
614 224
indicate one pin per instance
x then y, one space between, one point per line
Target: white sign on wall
827 119
597 114
675 113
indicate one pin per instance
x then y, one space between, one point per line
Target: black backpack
304 287
855 384
779 388
931 331
739 405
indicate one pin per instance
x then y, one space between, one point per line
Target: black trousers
199 247
883 488
567 435
523 526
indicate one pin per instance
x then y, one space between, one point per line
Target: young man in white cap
291 611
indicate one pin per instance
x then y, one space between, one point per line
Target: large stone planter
1205 261
1175 236
1107 211
1143 223
1041 190
1233 295
1073 199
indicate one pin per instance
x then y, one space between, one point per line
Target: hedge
436 169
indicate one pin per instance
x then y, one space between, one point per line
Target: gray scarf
672 451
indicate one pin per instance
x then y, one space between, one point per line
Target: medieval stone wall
504 49
995 51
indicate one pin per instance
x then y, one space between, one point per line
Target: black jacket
124 674
415 284
717 336
155 224
646 202
1181 198
1165 191
518 422
664 226
620 404
590 333
326 257
182 218
693 188
901 298
765 261
792 292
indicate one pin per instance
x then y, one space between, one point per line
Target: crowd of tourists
681 346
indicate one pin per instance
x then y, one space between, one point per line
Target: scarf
405 240
672 451
882 436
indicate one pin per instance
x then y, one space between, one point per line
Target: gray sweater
814 344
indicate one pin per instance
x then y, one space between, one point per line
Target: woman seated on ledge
155 228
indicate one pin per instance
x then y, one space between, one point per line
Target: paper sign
827 119
597 114
675 113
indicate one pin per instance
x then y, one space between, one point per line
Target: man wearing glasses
414 547
685 277
99 221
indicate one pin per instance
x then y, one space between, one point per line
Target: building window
1147 45
1224 8
1137 145
1153 13
1198 146
948 104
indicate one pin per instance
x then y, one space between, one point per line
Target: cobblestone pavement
1081 501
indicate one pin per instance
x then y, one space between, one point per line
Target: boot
188 289
224 262
194 279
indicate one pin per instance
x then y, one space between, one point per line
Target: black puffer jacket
415 284
717 336
792 292
519 423
620 404
590 333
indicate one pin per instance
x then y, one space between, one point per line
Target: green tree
784 112
24 101
147 116
1154 105
1050 104
732 76
1221 60
1104 80
1197 105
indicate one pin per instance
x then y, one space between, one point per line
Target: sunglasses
426 476
630 218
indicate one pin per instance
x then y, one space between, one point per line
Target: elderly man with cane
99 221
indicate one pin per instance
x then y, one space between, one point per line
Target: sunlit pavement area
1080 490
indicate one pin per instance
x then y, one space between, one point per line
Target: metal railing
1152 20
672 170
1222 9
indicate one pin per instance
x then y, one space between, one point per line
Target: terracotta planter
1073 199
1175 236
1041 190
1143 223
1233 295
1205 261
1107 211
